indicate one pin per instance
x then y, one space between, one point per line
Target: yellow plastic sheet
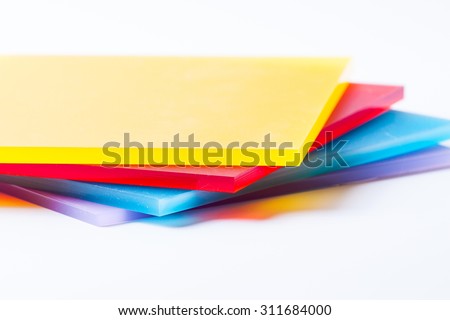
90 110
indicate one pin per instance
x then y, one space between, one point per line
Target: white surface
386 239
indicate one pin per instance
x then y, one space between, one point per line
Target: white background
388 239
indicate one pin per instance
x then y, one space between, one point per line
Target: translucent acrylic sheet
359 104
101 215
64 109
391 134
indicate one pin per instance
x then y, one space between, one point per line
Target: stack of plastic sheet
109 140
